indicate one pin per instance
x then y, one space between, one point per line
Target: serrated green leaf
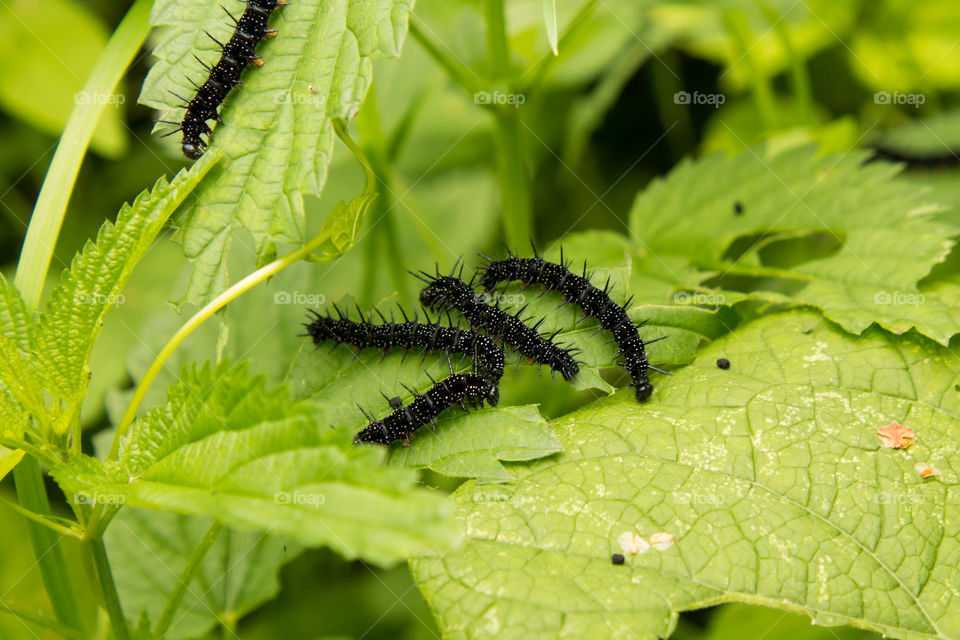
94 283
226 446
471 446
771 477
9 460
277 136
149 550
888 238
463 445
21 384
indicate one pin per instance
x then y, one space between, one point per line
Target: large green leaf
148 553
771 477
225 445
57 44
277 135
887 239
94 284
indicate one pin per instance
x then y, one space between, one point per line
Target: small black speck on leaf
738 208
723 363
617 558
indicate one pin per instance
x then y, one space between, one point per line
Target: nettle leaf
227 446
94 284
770 476
464 445
149 551
472 445
21 383
873 237
276 135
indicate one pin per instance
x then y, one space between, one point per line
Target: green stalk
459 73
799 78
46 544
374 148
108 589
221 301
40 621
195 321
512 176
58 184
55 524
739 31
498 51
511 167
38 247
193 565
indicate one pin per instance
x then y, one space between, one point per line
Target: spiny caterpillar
459 389
446 292
594 302
409 335
236 54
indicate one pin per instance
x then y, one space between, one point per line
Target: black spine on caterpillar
236 54
593 301
410 335
446 292
459 389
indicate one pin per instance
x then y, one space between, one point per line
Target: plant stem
108 589
58 184
51 522
38 247
46 544
198 318
513 179
458 72
40 621
498 52
799 78
739 31
511 167
193 565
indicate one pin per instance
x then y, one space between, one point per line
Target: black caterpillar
593 301
236 54
460 389
409 335
445 292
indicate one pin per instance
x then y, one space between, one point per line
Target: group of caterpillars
451 293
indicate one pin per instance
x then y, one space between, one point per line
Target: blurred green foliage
598 122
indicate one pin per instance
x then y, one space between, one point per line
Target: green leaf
887 239
149 550
767 624
771 477
226 446
936 137
550 20
463 445
277 135
9 460
21 384
811 25
94 284
471 445
884 56
56 44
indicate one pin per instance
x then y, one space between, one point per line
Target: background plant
194 475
